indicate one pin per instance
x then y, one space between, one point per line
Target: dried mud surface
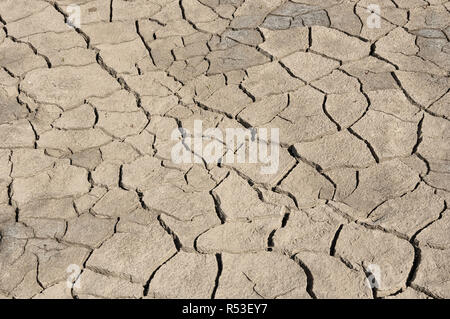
89 193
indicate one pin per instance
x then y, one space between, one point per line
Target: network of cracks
92 204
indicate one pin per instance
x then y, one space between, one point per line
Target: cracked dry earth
86 176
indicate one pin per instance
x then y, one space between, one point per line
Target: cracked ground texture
86 176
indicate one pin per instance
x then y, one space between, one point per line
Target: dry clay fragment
338 45
433 272
307 185
136 256
243 277
410 213
68 86
332 279
187 275
238 237
387 257
238 201
380 182
59 182
16 134
309 230
100 286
